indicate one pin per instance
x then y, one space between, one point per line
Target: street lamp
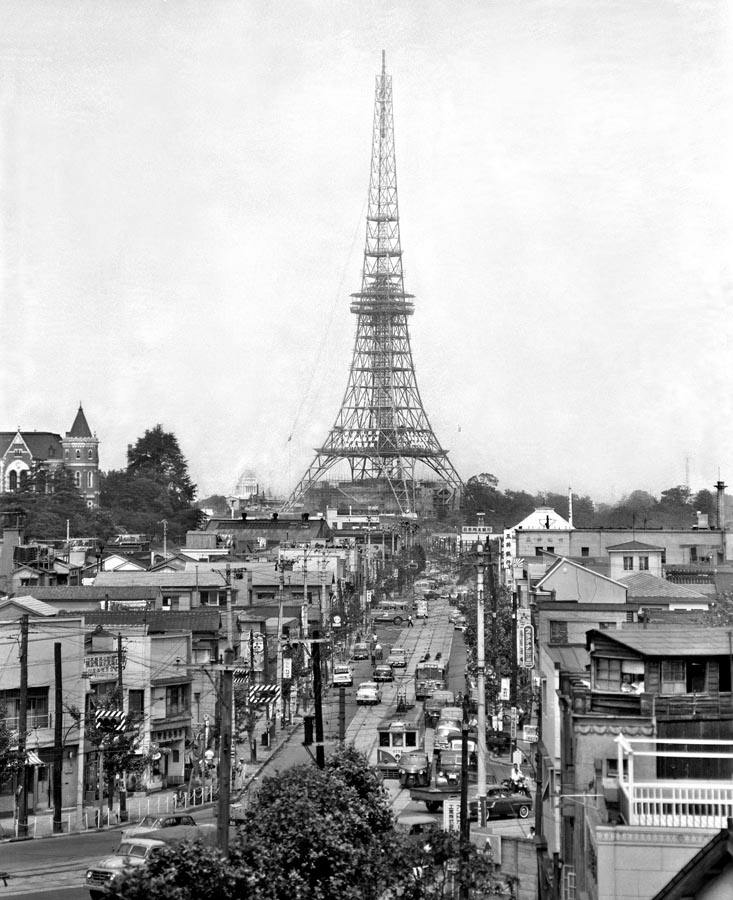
481 682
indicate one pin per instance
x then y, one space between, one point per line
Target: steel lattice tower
382 430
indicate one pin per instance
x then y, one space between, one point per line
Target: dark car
361 651
383 673
414 768
388 617
502 802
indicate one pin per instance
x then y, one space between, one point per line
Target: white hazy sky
182 201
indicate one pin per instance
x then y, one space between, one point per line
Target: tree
311 834
157 456
9 760
154 487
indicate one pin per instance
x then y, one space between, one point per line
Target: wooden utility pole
58 748
320 753
23 729
225 752
120 691
465 832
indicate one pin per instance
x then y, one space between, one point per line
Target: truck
445 781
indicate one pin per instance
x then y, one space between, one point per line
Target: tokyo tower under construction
382 430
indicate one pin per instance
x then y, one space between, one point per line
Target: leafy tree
47 511
9 760
157 455
155 487
705 502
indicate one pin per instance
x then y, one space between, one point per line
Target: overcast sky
182 196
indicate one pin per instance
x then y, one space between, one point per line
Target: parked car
417 825
151 823
368 694
397 658
502 802
383 673
361 651
342 674
459 623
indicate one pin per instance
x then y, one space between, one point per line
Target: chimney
570 507
720 510
274 517
304 517
244 517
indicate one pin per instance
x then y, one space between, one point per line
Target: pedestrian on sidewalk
409 621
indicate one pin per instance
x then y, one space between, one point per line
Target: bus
398 733
430 675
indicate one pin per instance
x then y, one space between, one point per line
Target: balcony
672 803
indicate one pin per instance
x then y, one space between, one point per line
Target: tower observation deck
382 431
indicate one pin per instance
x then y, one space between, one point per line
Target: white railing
677 804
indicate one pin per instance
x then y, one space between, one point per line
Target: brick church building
31 455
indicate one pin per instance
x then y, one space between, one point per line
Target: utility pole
513 688
320 753
230 623
481 682
465 830
23 729
57 740
121 703
225 752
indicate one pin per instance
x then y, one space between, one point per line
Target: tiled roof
31 604
80 428
645 585
83 592
38 443
195 620
634 545
670 640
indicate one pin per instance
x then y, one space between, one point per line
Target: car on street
383 673
417 825
414 768
388 617
153 822
342 675
397 658
502 802
361 651
368 694
459 623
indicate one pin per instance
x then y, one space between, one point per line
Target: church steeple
80 428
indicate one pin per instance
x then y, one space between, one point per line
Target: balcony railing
38 720
676 804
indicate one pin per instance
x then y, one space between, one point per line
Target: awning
33 759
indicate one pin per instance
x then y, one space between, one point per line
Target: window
674 680
608 674
23 479
171 602
77 479
628 563
538 551
558 632
51 451
18 451
136 702
643 563
36 708
202 656
604 626
78 454
176 700
90 454
585 551
13 481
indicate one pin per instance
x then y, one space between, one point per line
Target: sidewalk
41 824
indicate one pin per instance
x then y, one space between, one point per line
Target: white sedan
368 693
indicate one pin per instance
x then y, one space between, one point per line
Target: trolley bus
399 732
430 675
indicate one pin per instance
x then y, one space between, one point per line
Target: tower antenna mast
381 430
